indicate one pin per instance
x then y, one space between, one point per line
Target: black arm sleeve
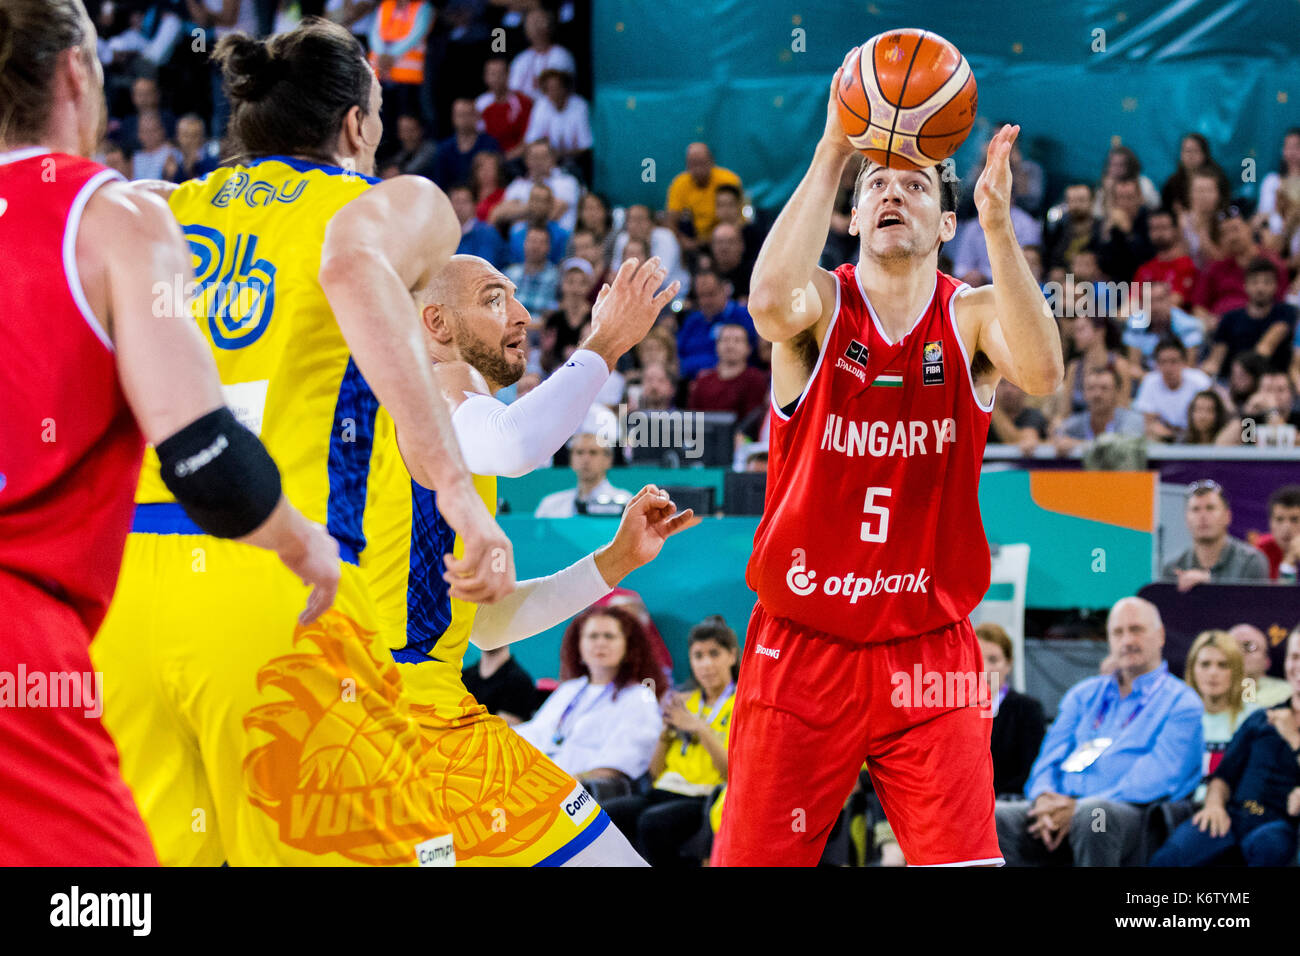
220 474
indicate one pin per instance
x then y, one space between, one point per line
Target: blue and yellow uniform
507 803
244 736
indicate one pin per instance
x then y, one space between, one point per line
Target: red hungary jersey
70 450
871 529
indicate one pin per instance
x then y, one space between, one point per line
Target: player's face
1211 674
602 644
711 665
1135 640
898 214
489 331
1284 524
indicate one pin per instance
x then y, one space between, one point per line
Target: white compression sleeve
538 604
512 440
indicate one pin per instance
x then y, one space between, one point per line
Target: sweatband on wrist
221 474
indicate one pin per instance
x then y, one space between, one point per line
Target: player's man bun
248 71
290 94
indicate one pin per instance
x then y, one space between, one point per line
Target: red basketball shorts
62 800
811 708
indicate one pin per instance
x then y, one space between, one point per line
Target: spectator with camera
591 460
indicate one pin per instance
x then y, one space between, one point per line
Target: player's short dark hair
290 93
1288 496
1259 265
32 35
948 185
1167 344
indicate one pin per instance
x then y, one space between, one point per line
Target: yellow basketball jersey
255 232
403 564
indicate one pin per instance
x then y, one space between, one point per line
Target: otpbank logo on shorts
803 581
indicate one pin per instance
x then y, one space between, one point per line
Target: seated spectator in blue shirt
1253 803
696 342
1147 326
540 201
537 281
455 157
1101 391
477 238
1120 741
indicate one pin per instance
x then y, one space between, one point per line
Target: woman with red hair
602 723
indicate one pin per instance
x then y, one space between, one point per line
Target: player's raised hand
649 520
993 188
625 310
834 135
485 572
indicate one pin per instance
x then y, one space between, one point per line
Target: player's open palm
485 571
626 309
649 520
993 188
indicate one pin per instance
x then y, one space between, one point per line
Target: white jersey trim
970 376
70 252
17 155
929 301
821 354
996 860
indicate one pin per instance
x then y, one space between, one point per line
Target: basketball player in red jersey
89 365
871 553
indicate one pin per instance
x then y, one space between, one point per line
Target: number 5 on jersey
879 511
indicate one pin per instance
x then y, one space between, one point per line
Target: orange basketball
907 99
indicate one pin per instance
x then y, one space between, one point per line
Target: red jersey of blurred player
71 447
70 454
872 527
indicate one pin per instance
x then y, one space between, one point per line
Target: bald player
507 804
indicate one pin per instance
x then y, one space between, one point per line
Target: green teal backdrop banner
1075 560
751 78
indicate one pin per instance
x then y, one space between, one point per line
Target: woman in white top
1216 672
602 724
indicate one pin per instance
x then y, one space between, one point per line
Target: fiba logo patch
932 364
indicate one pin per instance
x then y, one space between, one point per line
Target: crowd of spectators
1177 306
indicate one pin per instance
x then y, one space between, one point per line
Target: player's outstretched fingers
679 523
667 295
